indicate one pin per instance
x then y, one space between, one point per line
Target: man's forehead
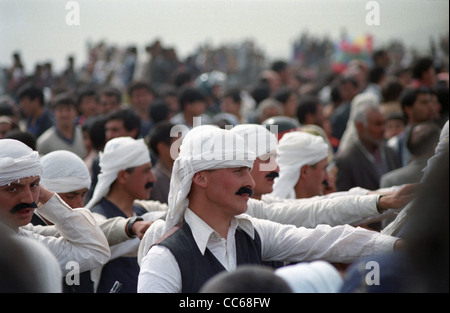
76 192
24 181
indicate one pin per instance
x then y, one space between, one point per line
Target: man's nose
27 195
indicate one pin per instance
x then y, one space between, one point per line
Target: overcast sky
39 30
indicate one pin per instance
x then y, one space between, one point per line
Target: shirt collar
203 233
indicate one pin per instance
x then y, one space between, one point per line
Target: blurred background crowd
225 85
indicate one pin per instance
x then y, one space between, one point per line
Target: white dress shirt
81 238
338 209
160 271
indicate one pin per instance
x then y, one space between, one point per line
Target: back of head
160 132
22 136
279 125
427 234
95 127
246 279
307 105
423 139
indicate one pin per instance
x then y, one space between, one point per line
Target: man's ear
122 177
200 179
304 170
359 127
162 148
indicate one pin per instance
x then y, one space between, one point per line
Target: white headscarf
257 138
119 154
313 277
17 161
204 148
64 171
296 149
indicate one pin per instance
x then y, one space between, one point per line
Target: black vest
196 268
123 269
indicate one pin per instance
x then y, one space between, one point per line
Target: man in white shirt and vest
210 187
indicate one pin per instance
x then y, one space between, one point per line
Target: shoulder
47 135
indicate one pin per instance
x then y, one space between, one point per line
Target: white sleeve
81 238
310 212
333 244
153 233
159 272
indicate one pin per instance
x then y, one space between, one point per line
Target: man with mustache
206 232
287 195
66 174
124 177
81 239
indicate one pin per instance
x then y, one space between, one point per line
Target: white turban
295 150
119 154
313 277
17 161
257 138
204 148
64 171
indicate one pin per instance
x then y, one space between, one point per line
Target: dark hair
22 136
421 66
159 110
32 92
391 89
182 78
307 105
160 132
422 138
379 53
136 85
95 127
376 73
64 99
86 92
234 94
190 95
261 92
6 109
283 94
409 96
278 66
129 118
112 92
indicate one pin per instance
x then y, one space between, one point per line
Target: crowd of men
223 176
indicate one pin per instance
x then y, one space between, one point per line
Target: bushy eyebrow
18 183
